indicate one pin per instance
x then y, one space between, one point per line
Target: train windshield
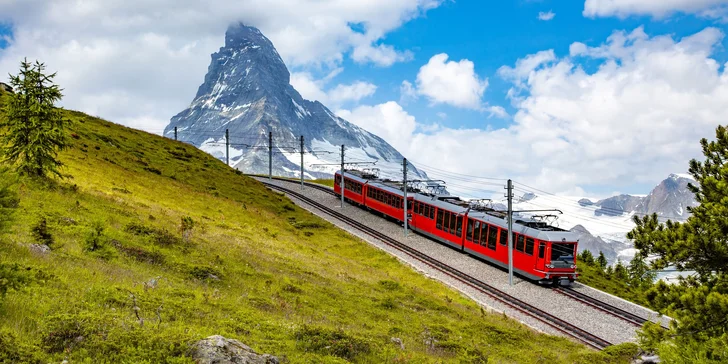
562 251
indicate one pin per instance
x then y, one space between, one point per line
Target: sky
581 97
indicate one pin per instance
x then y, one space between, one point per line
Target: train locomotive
541 253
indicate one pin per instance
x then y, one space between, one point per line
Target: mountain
670 200
603 225
247 91
596 244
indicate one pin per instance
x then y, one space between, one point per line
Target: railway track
571 293
482 287
602 306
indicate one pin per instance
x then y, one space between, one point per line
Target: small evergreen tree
34 127
639 272
586 257
602 261
620 271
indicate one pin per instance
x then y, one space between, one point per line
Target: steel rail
513 302
602 306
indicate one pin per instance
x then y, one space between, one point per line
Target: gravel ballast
608 327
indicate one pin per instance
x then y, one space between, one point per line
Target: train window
529 246
559 250
541 250
438 224
504 237
446 221
483 234
432 212
520 243
469 231
476 232
492 237
460 226
453 223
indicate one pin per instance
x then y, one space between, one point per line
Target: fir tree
620 271
34 127
699 303
640 274
586 257
602 261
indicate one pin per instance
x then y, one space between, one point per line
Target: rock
647 359
40 248
68 221
217 349
397 341
585 202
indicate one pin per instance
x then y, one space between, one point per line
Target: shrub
12 276
206 273
13 351
139 254
40 232
331 342
96 241
187 225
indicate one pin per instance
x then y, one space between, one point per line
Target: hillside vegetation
155 245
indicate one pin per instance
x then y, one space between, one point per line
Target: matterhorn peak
247 92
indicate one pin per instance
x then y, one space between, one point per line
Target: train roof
536 229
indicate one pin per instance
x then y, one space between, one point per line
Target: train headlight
573 266
549 266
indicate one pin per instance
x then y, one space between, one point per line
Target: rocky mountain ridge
247 92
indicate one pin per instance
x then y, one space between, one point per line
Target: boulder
217 349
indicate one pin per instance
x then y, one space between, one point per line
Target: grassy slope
287 279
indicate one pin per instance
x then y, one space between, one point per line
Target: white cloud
155 53
525 66
353 92
655 8
636 118
454 83
407 92
546 16
388 121
498 111
313 89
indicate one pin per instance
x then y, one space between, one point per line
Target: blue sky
494 34
610 115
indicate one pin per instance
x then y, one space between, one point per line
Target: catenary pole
175 133
342 176
301 162
227 147
404 173
510 232
270 155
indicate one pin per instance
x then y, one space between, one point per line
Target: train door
541 256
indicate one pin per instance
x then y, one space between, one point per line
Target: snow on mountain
247 91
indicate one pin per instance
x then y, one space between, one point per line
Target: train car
541 253
440 218
354 187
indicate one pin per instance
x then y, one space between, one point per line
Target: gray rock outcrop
220 350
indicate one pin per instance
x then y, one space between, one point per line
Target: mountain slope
669 199
255 268
247 90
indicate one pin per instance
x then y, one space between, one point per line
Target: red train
541 252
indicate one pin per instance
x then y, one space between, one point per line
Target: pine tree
586 257
34 127
639 272
602 261
620 271
700 244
